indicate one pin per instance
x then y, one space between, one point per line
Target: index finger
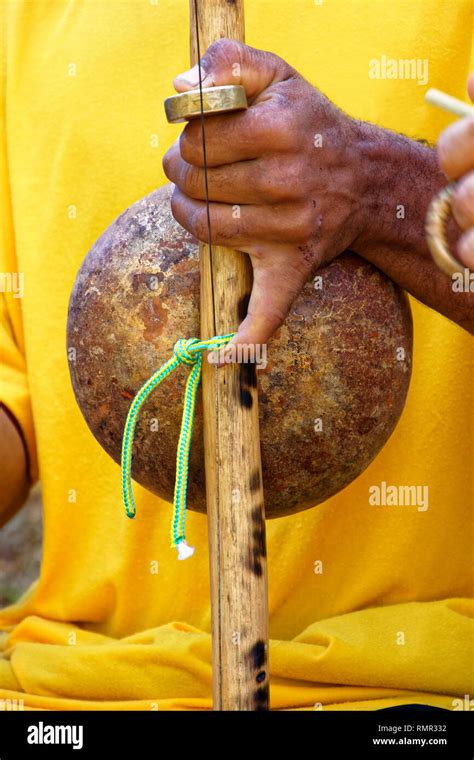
240 136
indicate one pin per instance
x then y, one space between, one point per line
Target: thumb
231 62
275 286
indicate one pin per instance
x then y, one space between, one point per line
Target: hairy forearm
400 178
14 485
309 182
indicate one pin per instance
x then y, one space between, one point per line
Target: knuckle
279 64
295 179
454 142
192 179
303 225
285 181
276 192
190 146
224 46
465 246
288 133
222 51
198 224
166 164
444 151
184 146
175 207
464 205
269 186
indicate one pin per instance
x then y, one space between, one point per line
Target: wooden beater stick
235 507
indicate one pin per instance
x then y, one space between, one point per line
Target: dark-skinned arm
14 481
402 178
309 182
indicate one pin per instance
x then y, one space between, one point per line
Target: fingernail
191 76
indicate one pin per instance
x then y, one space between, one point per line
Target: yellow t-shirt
389 619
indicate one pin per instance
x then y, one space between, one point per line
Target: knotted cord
185 352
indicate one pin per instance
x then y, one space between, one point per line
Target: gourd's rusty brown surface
330 396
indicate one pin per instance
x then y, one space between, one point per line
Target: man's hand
289 165
293 181
456 156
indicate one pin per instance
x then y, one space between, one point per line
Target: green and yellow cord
185 352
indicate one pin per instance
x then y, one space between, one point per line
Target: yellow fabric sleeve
14 390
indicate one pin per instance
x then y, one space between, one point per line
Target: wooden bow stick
235 506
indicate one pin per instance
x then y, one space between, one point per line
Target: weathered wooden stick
234 489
